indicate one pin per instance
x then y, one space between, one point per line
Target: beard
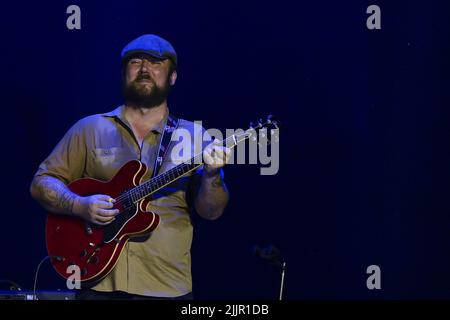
138 95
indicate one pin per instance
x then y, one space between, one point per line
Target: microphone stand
272 256
283 269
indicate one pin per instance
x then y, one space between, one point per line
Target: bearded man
157 266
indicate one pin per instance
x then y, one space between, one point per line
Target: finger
98 223
106 198
221 152
104 219
100 219
217 148
207 158
219 157
104 204
213 144
107 213
227 154
102 223
218 152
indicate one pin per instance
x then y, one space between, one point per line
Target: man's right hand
96 209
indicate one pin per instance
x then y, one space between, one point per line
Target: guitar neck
151 186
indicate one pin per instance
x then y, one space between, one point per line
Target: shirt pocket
107 161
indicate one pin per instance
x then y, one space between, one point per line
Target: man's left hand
215 157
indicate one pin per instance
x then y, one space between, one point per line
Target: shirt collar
119 113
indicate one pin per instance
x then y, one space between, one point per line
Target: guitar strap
171 126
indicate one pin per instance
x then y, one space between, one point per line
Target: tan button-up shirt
97 147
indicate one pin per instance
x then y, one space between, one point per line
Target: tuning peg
276 138
263 132
273 121
274 135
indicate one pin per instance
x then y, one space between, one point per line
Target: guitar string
163 177
127 195
158 179
166 176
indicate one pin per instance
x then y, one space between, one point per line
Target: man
99 145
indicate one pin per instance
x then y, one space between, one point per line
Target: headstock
260 132
264 130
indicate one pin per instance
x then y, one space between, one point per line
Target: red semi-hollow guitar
95 249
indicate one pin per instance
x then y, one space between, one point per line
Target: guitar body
96 249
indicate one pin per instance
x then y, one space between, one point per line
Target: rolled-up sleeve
67 160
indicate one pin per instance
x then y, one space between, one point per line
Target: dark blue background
364 169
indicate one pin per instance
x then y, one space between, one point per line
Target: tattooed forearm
217 182
56 195
53 194
212 197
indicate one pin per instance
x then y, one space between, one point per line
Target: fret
137 192
174 173
155 183
128 201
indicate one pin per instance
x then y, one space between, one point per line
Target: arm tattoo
217 182
212 197
55 194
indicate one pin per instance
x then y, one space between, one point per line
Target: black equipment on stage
40 295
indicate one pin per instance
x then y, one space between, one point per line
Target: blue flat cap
152 45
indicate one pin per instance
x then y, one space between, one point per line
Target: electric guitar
73 242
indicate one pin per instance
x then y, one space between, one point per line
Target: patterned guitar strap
171 125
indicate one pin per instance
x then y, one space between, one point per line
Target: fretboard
147 188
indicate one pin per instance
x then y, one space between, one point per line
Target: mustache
143 77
